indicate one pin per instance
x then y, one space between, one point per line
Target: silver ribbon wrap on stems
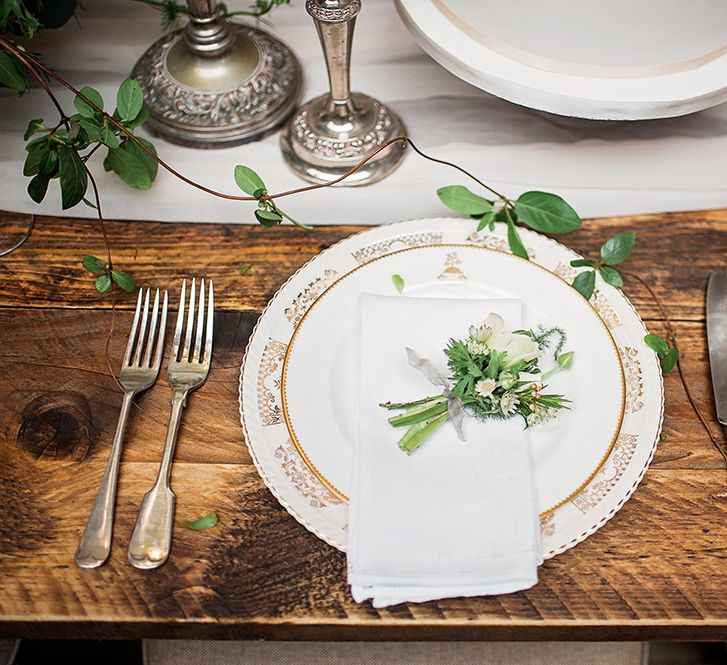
455 408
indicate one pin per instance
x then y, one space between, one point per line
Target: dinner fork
137 373
188 370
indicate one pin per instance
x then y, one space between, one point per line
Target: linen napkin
455 518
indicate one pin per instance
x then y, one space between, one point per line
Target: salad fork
188 370
137 373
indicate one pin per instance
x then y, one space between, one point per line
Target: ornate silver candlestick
331 133
216 83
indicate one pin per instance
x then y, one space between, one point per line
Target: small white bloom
484 387
541 415
508 403
480 333
477 348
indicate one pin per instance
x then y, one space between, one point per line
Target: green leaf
129 99
103 283
546 212
462 200
514 240
124 280
585 282
205 522
140 119
74 179
36 152
38 187
12 73
611 276
268 218
245 268
126 163
301 225
657 343
152 166
565 360
49 164
398 282
94 265
583 263
108 137
33 126
83 107
90 204
249 181
91 127
618 249
487 219
670 360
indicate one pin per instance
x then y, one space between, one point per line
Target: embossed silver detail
333 15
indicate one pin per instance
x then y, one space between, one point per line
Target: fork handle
95 544
152 536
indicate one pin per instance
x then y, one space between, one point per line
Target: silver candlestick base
332 133
215 83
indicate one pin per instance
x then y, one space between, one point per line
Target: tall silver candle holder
331 133
217 83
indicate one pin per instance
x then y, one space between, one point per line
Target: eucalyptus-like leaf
617 249
123 280
12 73
546 212
249 181
83 107
74 179
656 343
585 283
268 218
205 522
245 268
611 276
93 265
103 283
398 282
514 240
583 263
462 200
33 126
129 99
38 187
670 360
487 219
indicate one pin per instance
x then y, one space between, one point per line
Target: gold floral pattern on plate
484 239
634 378
268 382
300 476
376 249
547 524
599 301
452 272
622 453
305 298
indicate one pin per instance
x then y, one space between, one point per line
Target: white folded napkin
455 518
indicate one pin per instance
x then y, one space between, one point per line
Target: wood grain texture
656 570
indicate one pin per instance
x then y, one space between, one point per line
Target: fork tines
182 349
146 338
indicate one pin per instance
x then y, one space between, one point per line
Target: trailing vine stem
672 336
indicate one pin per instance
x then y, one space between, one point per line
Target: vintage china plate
321 510
319 378
616 60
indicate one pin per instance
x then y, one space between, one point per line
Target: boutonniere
495 373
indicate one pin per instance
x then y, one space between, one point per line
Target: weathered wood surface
657 570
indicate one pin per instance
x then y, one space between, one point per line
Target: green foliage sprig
668 356
613 252
106 275
173 13
541 211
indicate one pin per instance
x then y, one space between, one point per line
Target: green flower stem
404 405
419 414
417 434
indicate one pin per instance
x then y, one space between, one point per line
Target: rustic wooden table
658 570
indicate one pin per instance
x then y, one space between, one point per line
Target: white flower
484 387
541 415
508 403
498 337
506 380
520 347
480 333
477 348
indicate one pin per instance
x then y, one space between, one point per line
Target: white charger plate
616 60
324 512
319 376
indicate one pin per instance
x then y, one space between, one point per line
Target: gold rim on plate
283 385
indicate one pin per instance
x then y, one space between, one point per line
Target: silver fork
137 373
188 369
